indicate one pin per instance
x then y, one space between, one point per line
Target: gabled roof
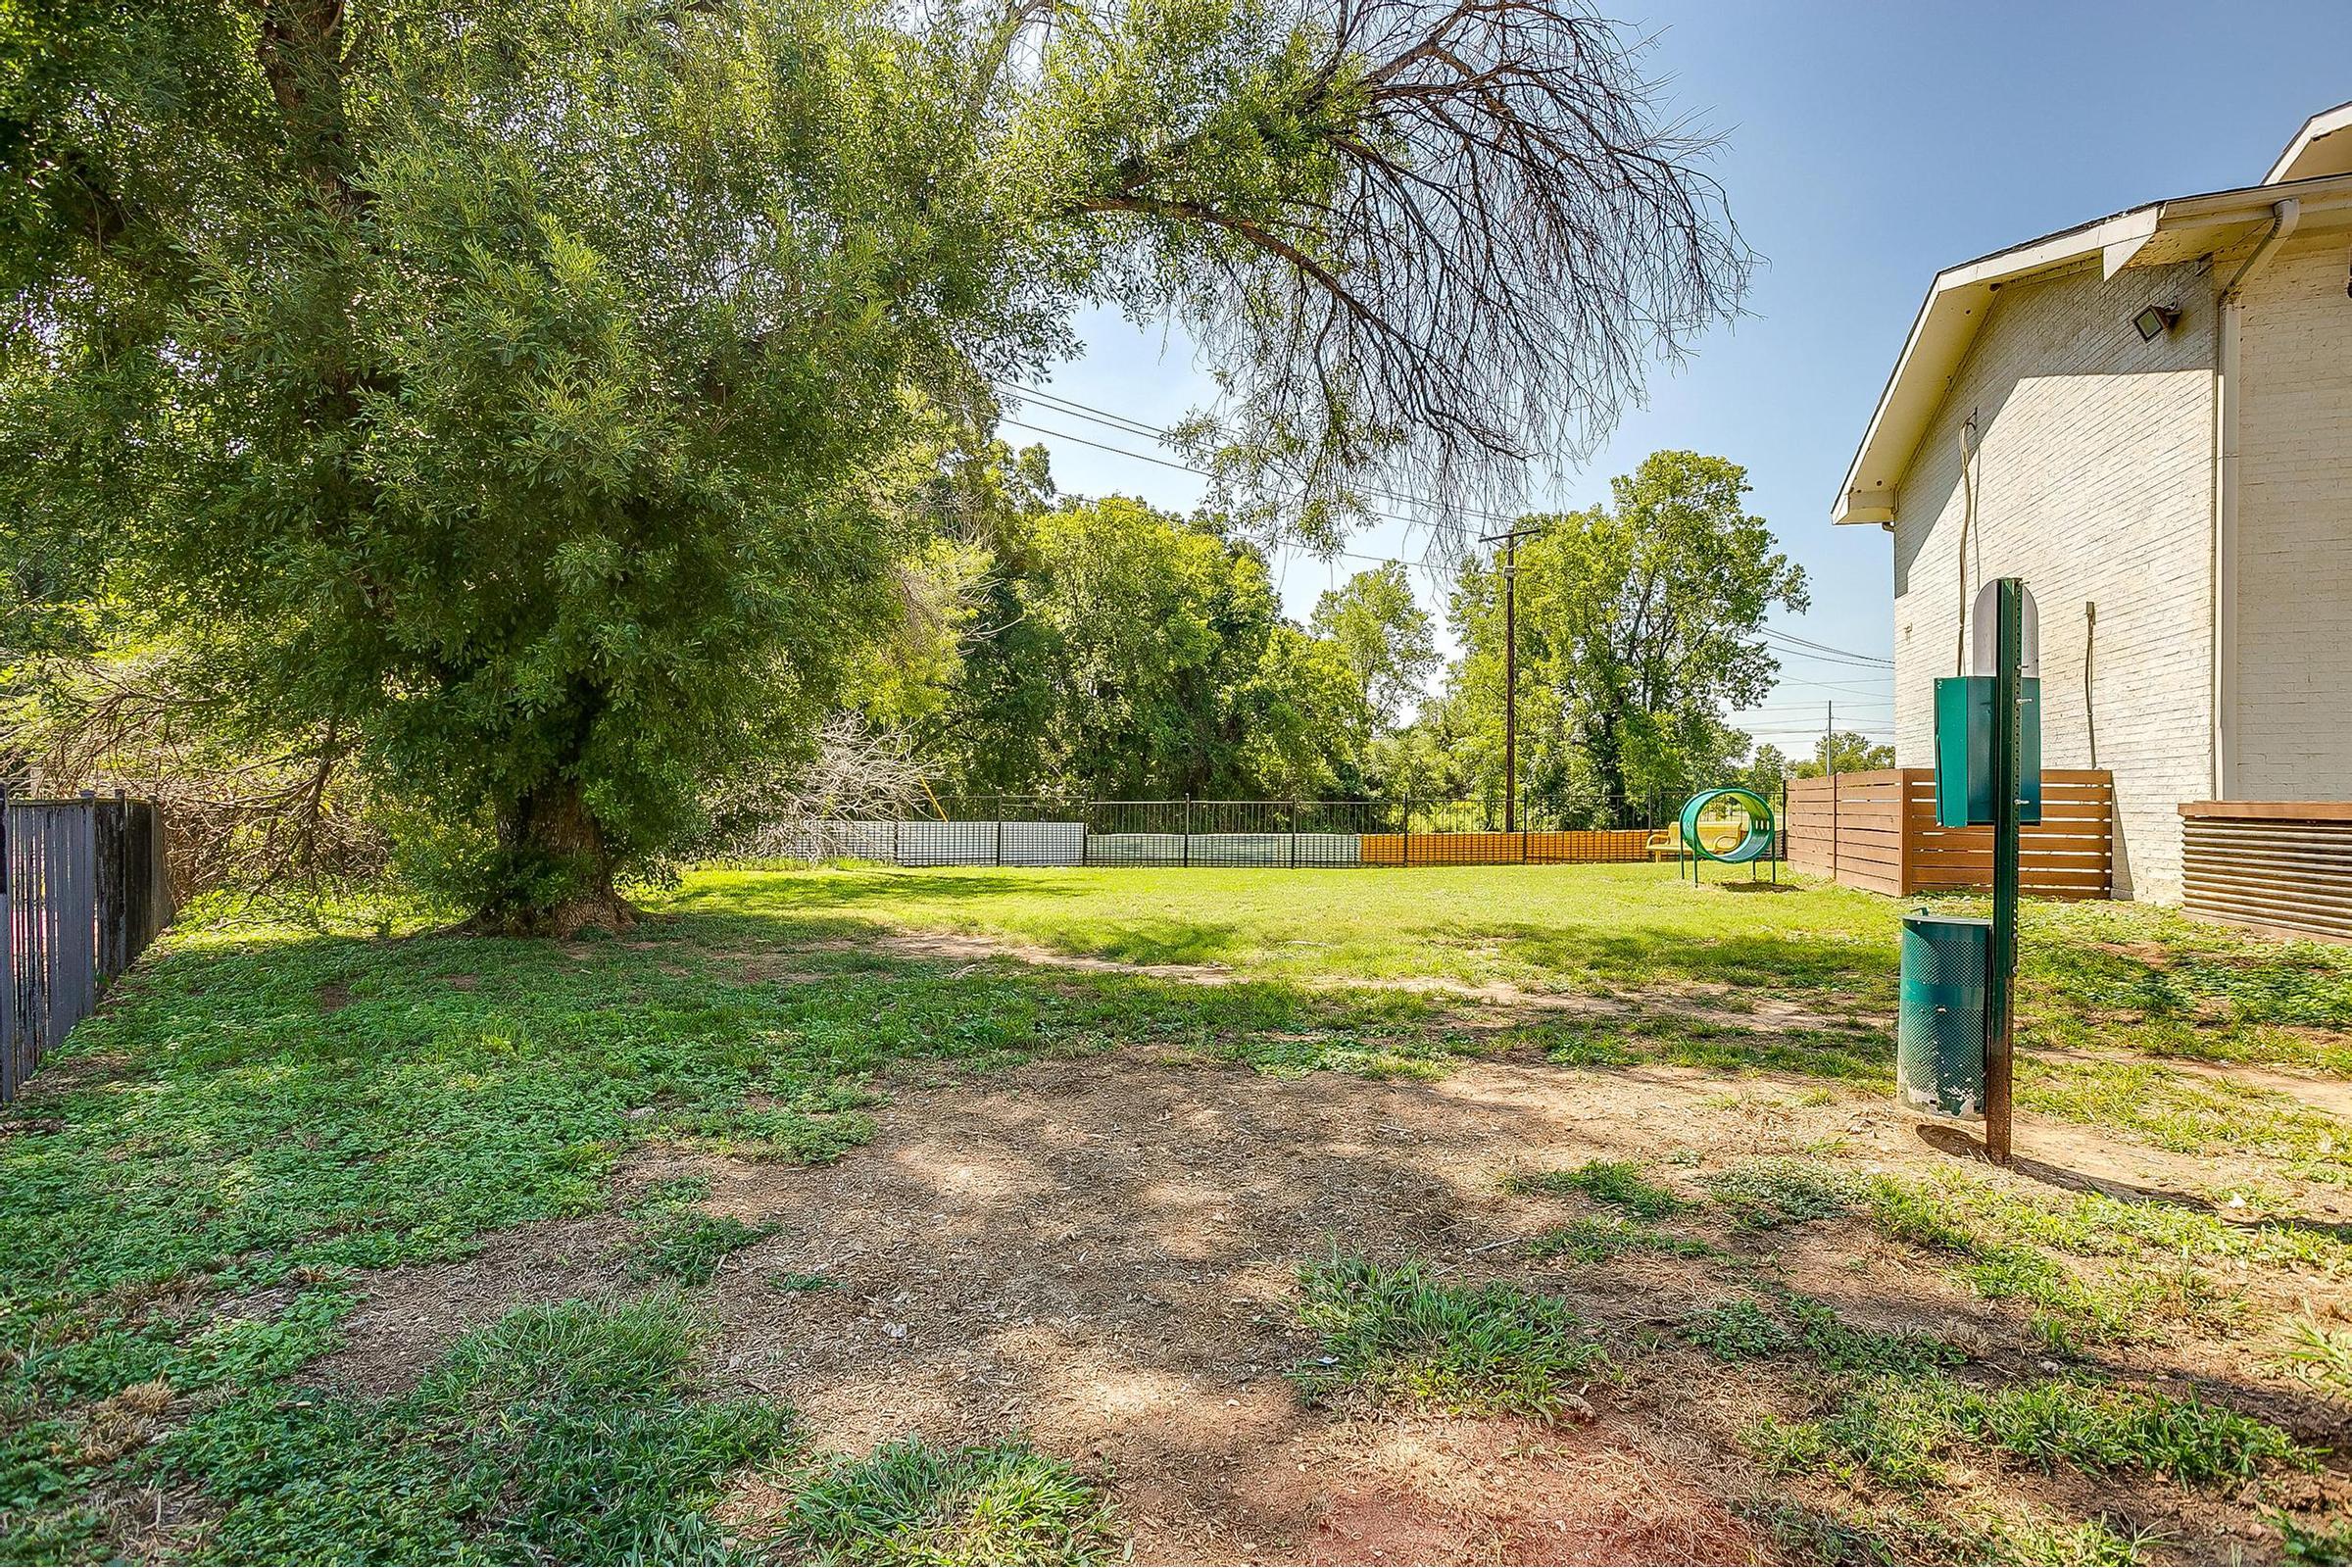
2324 146
2316 169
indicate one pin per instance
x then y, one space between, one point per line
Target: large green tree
1384 636
1846 751
1638 632
1122 652
530 403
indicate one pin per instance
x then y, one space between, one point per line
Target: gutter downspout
2230 311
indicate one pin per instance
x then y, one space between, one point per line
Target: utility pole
1510 671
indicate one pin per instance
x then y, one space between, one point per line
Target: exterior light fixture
2154 322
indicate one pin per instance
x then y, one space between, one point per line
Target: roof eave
2303 156
1954 308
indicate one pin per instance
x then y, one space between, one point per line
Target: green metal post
2000 984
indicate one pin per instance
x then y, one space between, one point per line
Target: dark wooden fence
2282 867
84 889
1876 830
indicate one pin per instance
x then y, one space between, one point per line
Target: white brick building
2176 491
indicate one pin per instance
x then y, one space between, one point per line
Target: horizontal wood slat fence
1876 830
84 889
2280 868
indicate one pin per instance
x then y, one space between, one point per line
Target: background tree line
1104 649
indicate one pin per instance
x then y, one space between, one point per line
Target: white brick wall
2094 484
2294 527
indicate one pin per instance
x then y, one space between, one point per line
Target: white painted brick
2294 527
2094 484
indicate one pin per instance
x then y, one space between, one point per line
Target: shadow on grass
1644 953
754 894
1961 1143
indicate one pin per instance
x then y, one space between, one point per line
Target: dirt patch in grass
2155 955
1105 1258
1108 1266
411 1316
1422 1490
2330 1094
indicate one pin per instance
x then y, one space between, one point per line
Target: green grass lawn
265 1110
2095 974
1549 926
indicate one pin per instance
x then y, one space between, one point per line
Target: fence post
999 814
1830 774
1185 849
1405 855
8 968
109 887
1294 835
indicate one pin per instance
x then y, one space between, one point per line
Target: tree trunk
561 870
1609 767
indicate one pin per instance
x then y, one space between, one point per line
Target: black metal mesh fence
84 889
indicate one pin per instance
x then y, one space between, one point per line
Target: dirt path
2330 1094
1696 1003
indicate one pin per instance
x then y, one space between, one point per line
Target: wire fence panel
84 889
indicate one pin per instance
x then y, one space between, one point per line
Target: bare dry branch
1508 232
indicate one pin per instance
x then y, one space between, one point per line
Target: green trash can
1940 1024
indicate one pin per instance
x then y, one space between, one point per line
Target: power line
1810 646
1834 686
1828 661
1843 661
1120 422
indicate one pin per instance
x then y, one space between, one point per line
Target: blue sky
1865 146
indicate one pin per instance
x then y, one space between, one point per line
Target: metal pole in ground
1510 684
1510 671
2000 985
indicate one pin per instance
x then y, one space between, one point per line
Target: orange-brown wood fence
1565 847
1878 830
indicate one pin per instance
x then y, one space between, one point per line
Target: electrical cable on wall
2090 713
1970 445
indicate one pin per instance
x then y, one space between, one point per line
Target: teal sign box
1964 751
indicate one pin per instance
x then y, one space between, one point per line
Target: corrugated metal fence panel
2283 867
1876 830
994 843
84 891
